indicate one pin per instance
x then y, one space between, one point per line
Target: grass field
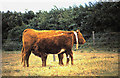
86 63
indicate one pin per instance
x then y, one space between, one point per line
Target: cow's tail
22 54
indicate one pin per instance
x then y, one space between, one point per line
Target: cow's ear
77 30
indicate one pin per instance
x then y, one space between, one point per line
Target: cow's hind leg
23 59
60 56
43 57
22 54
27 58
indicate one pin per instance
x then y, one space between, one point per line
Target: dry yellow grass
85 64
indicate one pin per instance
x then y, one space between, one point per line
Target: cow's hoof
43 65
61 64
67 64
23 66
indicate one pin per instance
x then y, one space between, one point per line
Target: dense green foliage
100 17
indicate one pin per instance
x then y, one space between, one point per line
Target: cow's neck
76 37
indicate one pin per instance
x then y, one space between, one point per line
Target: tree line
99 16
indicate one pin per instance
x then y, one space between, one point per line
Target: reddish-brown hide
31 39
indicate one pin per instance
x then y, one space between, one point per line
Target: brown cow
30 36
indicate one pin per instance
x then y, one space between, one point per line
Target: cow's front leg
71 55
60 56
67 59
44 57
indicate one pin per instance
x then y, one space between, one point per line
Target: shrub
12 45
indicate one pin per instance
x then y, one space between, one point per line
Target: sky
36 5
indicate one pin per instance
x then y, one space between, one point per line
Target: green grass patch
85 64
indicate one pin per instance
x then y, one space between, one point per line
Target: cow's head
81 39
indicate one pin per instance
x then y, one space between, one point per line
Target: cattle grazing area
86 63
